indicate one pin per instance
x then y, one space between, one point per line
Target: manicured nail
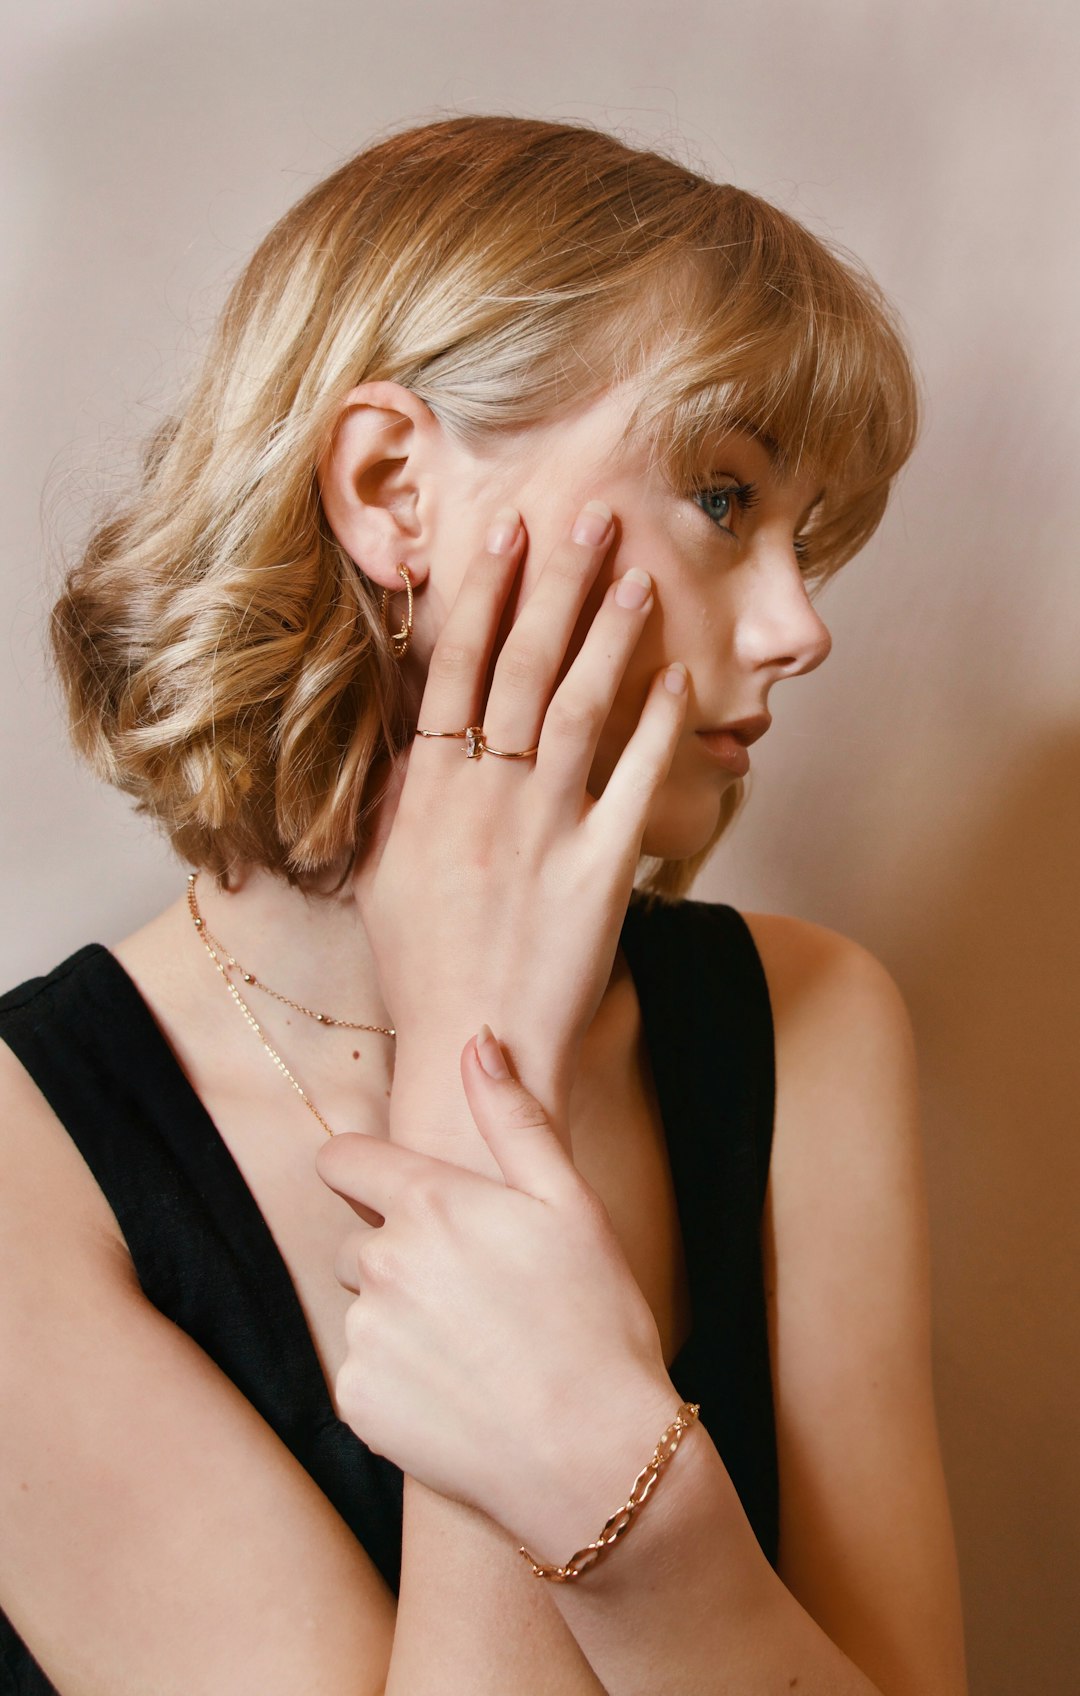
633 588
593 524
503 532
675 678
491 1055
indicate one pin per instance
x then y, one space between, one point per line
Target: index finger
453 695
367 1172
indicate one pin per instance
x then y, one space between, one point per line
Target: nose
779 628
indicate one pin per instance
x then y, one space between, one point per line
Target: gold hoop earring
399 639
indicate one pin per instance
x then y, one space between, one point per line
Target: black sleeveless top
204 1254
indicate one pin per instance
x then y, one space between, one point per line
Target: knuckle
520 666
425 1198
525 1114
593 1211
574 564
453 659
378 1260
349 1399
573 714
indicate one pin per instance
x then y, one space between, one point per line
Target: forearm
471 1620
686 1603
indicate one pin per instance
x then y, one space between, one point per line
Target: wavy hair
223 660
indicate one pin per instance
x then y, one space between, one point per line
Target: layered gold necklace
227 963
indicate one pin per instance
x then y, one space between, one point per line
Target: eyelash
746 495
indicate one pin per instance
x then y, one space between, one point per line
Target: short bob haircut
223 659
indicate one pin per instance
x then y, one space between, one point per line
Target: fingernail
593 524
633 588
675 678
491 1055
503 531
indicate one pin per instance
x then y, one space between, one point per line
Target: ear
376 480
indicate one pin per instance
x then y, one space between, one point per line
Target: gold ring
475 745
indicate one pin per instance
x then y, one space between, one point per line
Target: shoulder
40 1021
844 1038
50 1203
823 987
39 990
48 1193
817 975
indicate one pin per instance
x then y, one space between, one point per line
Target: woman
518 444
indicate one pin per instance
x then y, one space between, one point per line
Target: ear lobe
370 479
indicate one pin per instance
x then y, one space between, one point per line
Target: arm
156 1533
867 1598
467 1600
469 1603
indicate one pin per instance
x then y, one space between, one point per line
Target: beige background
921 792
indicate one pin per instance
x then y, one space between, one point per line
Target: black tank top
204 1254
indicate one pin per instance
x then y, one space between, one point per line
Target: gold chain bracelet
620 1522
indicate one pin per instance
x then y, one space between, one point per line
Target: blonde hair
223 659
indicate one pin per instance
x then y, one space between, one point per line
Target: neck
312 948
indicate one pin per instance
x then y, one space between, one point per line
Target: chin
683 820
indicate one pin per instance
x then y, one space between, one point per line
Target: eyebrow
745 428
772 448
769 443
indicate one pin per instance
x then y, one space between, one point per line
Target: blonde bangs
780 336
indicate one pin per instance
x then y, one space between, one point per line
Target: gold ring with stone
475 744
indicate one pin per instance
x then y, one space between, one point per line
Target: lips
744 730
726 745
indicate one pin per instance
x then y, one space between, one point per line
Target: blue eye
719 501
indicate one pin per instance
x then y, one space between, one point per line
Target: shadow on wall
996 999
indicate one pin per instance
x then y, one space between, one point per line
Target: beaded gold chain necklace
226 963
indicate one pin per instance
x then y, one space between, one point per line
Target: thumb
514 1124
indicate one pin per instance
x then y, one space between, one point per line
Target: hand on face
500 886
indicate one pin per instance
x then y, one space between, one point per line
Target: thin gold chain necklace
215 949
249 977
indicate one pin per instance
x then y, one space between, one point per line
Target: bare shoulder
846 1058
48 1187
812 970
866 1541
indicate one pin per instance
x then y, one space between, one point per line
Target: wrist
427 1082
427 1100
587 1466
